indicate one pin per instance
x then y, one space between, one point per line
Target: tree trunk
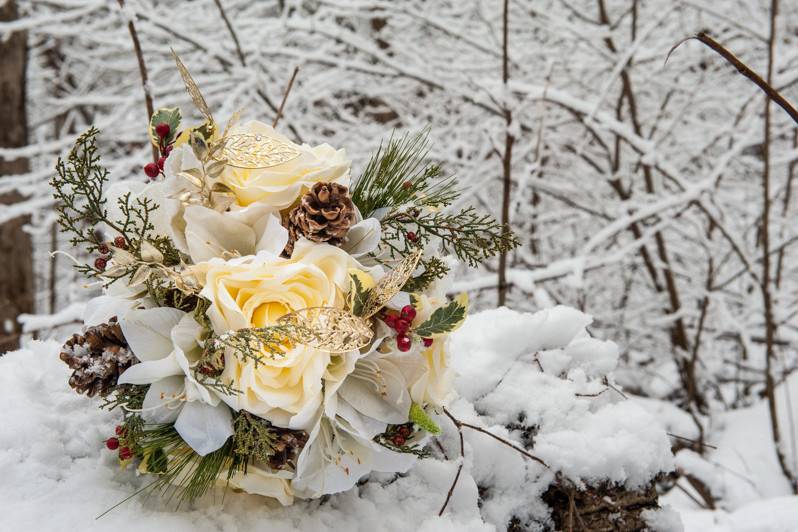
16 274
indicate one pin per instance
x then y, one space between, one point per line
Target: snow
37 322
52 455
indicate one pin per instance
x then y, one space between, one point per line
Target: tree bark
16 274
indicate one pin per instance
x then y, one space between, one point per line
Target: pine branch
79 186
408 196
398 175
471 236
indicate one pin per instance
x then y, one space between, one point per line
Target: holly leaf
445 319
420 417
358 293
166 115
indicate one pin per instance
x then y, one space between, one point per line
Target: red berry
120 431
161 162
151 169
402 326
398 440
411 236
167 150
390 320
163 129
404 431
102 249
112 444
125 453
408 312
407 184
427 342
120 242
403 342
100 263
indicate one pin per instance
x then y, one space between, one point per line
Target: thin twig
285 96
260 92
743 69
507 156
462 461
690 440
232 31
134 36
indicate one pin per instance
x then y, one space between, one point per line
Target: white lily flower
165 341
363 394
363 238
240 231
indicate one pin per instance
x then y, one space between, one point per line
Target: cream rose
280 186
256 292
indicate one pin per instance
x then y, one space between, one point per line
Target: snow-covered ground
56 475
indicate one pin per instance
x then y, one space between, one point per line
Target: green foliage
127 397
254 438
433 268
410 195
82 209
420 417
397 174
445 319
360 295
166 115
186 474
471 236
254 343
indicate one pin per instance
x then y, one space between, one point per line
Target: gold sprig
328 329
391 283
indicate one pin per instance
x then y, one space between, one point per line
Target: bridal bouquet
268 323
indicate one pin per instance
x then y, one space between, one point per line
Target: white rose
256 292
280 186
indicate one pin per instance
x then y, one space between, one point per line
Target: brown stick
460 424
134 36
459 468
232 31
507 157
242 59
285 96
770 325
745 70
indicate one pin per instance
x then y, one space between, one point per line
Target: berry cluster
125 453
105 252
403 432
164 147
401 324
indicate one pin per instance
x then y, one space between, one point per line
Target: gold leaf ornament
391 283
328 329
193 89
255 151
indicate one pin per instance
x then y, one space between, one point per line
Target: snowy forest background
656 196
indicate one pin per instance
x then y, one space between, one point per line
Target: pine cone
98 357
288 445
324 214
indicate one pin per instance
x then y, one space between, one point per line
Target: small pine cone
324 214
287 446
98 357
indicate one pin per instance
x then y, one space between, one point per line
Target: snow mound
56 474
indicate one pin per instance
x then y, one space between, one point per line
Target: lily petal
204 428
163 400
363 237
148 331
151 371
